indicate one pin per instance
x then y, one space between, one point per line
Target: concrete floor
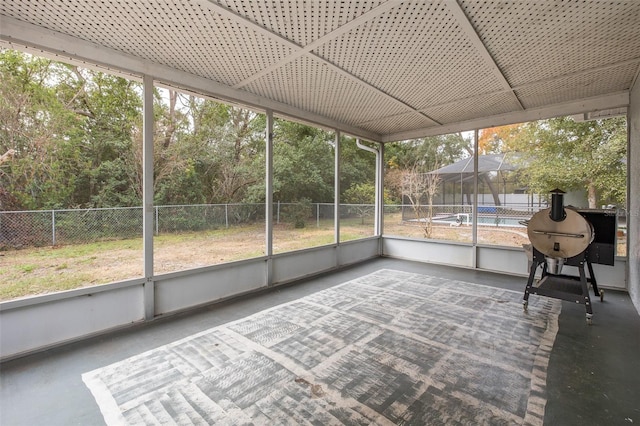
593 374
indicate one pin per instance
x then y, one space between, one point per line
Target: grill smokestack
557 213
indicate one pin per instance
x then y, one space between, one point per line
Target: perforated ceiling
383 70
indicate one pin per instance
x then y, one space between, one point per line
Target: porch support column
336 195
474 208
379 218
147 196
378 185
633 188
268 207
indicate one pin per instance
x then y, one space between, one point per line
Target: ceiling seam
576 73
373 120
469 98
469 30
301 50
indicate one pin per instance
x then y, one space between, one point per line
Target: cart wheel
602 295
525 305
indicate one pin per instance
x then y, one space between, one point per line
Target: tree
563 153
241 142
71 131
361 196
421 156
41 131
302 165
357 166
112 111
419 189
7 200
225 142
496 140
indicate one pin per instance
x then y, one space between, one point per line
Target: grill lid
562 239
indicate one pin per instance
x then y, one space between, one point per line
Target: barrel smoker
569 237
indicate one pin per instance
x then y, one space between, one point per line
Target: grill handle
558 234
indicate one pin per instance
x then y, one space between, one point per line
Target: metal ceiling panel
535 40
413 52
578 86
372 67
310 85
302 22
181 34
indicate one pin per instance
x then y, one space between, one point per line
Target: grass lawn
48 269
42 270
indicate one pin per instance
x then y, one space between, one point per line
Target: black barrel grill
566 236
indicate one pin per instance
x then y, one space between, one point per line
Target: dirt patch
44 270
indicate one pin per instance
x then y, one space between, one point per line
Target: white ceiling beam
24 36
475 39
609 101
299 51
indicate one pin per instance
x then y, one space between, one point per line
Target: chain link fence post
53 227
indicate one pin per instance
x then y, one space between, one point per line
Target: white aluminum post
474 208
379 191
336 195
268 213
379 224
147 197
53 227
633 201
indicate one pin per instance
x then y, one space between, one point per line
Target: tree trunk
171 126
592 196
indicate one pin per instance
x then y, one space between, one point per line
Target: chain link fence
23 229
201 217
